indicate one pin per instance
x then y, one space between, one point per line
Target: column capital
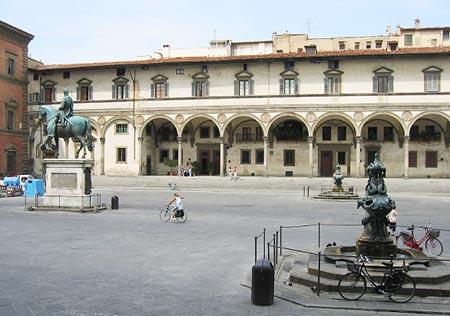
406 138
265 138
358 139
222 139
140 139
102 140
179 139
310 139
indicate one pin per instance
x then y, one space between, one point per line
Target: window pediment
432 69
120 80
244 74
333 72
289 73
84 82
49 83
383 70
11 104
200 76
159 78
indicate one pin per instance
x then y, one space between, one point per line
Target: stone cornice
11 32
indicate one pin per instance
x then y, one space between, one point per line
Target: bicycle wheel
352 286
182 219
434 247
403 291
164 215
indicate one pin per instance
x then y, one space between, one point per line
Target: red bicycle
432 244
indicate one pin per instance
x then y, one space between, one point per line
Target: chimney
388 30
417 23
398 29
310 50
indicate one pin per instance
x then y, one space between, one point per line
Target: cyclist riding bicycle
177 199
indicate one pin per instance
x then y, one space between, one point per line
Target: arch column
141 141
311 154
179 155
102 156
266 155
358 156
406 150
222 156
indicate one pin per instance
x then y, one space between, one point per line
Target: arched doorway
383 133
429 136
202 146
244 137
288 147
334 137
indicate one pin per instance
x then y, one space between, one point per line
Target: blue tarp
11 181
33 187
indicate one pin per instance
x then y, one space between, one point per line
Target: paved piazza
128 262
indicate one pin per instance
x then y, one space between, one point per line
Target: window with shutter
412 155
431 159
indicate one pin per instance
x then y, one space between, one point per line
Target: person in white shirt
177 199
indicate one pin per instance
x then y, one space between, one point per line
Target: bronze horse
77 127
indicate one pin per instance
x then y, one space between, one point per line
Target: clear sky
95 30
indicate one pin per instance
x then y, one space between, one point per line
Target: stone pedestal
68 185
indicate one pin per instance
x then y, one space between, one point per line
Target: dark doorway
204 161
326 163
149 165
216 162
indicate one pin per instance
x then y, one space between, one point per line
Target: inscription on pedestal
64 180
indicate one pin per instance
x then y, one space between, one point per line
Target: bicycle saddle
410 228
387 263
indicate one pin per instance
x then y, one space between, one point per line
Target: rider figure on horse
66 108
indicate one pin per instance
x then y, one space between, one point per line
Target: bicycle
174 187
396 284
166 213
432 244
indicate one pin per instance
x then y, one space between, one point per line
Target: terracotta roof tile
273 56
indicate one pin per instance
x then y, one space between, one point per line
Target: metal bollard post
318 235
318 274
256 248
264 243
307 191
304 191
268 251
281 240
276 248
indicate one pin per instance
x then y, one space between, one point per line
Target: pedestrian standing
235 174
230 173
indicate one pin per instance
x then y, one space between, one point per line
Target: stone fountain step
432 281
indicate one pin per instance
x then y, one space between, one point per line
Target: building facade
292 106
13 100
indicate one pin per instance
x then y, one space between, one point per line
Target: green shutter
78 93
375 84
236 87
152 90
113 91
193 88
126 91
91 92
296 86
391 84
166 90
206 88
252 87
281 86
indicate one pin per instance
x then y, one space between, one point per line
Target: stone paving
127 262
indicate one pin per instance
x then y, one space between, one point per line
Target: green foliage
171 163
210 167
194 165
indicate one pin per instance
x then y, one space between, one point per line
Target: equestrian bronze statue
62 123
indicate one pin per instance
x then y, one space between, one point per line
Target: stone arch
287 115
147 121
111 121
335 116
424 115
207 117
236 116
379 116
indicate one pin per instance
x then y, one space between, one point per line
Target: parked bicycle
168 210
432 244
396 284
174 187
